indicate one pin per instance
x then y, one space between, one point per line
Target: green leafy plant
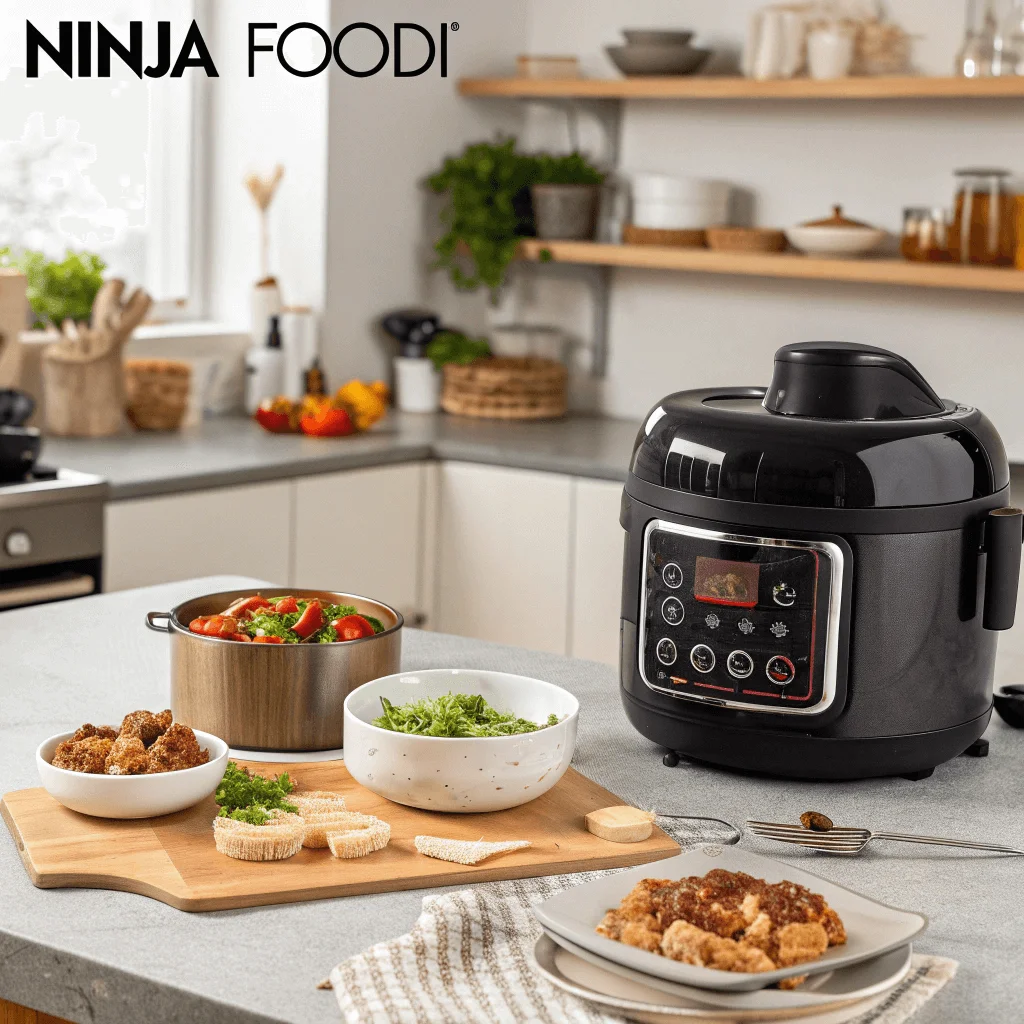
488 211
456 715
58 291
245 796
454 347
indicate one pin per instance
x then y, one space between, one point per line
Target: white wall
798 159
386 135
255 123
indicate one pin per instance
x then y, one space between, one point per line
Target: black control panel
741 621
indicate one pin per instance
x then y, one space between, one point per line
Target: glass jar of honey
983 229
925 234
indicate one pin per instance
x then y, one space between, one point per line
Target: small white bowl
132 796
468 775
838 241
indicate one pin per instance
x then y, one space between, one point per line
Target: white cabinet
360 532
597 572
503 555
241 531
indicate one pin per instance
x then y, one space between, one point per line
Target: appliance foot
924 773
671 759
979 748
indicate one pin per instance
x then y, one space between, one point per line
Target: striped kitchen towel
469 958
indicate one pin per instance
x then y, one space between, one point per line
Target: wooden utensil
173 858
83 375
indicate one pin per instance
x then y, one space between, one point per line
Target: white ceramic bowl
132 796
677 216
460 775
839 241
650 186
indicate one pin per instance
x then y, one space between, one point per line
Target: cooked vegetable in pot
287 620
454 715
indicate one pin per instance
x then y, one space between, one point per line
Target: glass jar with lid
983 228
925 234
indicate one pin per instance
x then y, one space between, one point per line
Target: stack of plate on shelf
675 211
650 51
844 983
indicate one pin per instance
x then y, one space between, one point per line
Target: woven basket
157 392
686 238
729 239
524 388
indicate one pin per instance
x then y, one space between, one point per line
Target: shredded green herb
245 796
454 715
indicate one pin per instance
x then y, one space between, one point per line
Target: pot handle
1003 528
166 616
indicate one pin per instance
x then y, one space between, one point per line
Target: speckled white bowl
460 775
132 796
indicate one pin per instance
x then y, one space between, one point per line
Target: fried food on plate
175 750
127 757
87 754
728 921
146 725
106 732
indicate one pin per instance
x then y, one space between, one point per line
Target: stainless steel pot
272 696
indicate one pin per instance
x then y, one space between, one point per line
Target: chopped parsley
245 796
267 622
454 715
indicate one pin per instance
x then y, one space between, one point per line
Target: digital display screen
717 581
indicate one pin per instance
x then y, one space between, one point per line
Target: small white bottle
264 369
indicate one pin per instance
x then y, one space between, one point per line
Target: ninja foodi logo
77 43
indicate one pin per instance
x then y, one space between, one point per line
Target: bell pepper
352 627
311 620
278 415
324 418
366 401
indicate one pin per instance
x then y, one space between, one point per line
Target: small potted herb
565 196
58 290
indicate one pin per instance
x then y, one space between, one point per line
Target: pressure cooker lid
840 426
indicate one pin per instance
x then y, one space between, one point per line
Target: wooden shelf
695 87
786 265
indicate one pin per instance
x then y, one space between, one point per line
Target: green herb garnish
454 715
245 796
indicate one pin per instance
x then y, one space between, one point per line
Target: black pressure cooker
815 572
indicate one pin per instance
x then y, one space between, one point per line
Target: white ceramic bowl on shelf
132 796
841 242
677 216
460 775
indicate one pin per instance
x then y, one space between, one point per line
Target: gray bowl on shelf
657 36
657 59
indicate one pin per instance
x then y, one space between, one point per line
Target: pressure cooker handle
1003 533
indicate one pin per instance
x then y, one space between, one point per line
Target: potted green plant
58 290
489 210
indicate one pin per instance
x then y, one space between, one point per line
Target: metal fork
852 840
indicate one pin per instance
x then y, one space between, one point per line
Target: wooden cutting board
173 858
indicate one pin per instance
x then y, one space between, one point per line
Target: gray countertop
222 452
115 958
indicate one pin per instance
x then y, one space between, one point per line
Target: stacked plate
844 983
664 202
650 51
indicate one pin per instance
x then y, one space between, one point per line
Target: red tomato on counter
352 627
310 621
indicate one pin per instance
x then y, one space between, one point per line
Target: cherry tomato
352 627
286 605
310 621
244 607
267 640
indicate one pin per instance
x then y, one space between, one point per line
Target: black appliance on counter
814 572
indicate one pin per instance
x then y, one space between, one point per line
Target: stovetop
44 485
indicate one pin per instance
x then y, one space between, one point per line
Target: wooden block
14 1013
173 859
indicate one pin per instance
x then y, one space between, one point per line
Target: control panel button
784 595
745 626
666 651
672 611
780 670
18 544
712 621
673 576
702 658
740 664
779 630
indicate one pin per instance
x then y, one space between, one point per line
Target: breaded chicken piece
106 732
88 754
799 943
760 932
642 932
177 748
640 900
834 928
145 725
692 945
128 756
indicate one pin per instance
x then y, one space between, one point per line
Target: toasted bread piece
278 839
461 851
361 840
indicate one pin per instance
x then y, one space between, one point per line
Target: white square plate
872 928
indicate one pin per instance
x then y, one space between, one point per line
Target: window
110 165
